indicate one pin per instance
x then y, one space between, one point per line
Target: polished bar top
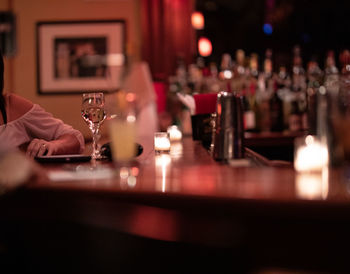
278 217
189 172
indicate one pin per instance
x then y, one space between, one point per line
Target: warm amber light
197 20
161 142
311 154
174 133
312 185
204 47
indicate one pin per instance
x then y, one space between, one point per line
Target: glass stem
95 147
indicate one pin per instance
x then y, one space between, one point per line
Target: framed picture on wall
80 56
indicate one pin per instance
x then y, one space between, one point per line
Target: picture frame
80 56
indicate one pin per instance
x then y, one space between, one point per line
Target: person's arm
50 136
65 144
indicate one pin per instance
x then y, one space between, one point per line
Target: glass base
162 151
99 157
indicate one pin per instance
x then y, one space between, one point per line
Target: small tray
68 158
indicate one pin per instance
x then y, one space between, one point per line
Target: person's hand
40 147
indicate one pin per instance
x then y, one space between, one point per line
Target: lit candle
312 185
161 142
311 156
174 133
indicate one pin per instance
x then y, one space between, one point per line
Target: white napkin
188 101
85 174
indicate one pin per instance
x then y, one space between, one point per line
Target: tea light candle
161 142
174 133
312 185
311 156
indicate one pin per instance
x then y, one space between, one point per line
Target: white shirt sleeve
41 124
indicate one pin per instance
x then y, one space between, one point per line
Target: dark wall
317 26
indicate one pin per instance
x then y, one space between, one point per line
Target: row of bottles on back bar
275 99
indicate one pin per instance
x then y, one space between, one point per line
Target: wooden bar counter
180 212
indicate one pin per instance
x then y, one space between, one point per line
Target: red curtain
166 35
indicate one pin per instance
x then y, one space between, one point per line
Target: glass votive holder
311 164
312 185
311 155
161 142
174 133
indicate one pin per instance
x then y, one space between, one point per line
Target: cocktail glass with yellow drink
122 128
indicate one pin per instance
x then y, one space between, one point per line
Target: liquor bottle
268 75
254 65
283 85
266 88
226 62
276 104
330 68
295 117
251 111
225 74
238 69
299 87
268 65
252 75
314 81
345 67
276 112
298 76
212 80
314 74
282 78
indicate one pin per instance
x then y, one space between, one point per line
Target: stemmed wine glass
93 113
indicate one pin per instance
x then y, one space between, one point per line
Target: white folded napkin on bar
84 174
188 101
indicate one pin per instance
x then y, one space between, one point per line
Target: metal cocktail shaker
229 130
